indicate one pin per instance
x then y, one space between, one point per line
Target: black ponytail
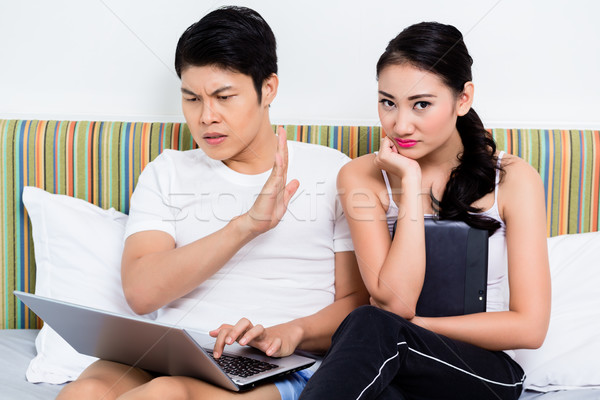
473 178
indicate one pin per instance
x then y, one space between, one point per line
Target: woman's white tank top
497 283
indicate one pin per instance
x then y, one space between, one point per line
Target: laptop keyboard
242 366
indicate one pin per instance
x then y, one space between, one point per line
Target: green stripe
4 312
556 167
14 221
80 166
113 176
575 176
60 151
49 156
586 180
154 140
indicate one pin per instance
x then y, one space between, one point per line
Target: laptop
455 270
160 348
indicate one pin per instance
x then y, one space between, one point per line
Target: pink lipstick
405 142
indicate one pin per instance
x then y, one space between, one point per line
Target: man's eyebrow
187 91
221 90
216 92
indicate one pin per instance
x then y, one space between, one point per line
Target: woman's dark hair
234 38
440 49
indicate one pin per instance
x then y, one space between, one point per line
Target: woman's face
418 111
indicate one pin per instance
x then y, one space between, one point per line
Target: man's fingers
274 348
243 326
219 343
227 334
252 334
290 190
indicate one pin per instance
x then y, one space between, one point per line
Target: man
217 234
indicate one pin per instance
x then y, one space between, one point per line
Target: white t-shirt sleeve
342 241
149 206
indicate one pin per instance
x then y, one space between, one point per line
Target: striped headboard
100 162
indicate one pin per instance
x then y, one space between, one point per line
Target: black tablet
456 269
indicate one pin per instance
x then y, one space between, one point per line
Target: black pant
379 355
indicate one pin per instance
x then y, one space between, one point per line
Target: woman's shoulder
516 169
360 168
362 175
519 181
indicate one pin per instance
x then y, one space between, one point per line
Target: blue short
292 385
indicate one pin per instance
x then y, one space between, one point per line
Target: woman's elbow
534 335
532 343
397 306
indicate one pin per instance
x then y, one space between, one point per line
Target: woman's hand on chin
394 163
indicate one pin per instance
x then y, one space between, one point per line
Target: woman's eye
386 103
421 105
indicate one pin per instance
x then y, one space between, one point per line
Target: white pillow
78 250
569 357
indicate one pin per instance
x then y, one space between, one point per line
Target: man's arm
155 272
311 333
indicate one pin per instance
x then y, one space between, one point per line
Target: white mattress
17 349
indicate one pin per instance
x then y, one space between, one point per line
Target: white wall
536 62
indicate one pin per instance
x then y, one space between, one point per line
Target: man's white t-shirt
283 274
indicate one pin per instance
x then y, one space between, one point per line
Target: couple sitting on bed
280 264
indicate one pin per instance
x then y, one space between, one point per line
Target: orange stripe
353 145
514 143
145 145
39 154
175 139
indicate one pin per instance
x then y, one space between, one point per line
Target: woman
436 159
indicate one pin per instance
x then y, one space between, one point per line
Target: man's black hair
233 38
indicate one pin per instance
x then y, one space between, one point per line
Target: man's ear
465 99
269 89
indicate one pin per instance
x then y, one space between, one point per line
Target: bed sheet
17 347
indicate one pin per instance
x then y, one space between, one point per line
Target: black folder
455 271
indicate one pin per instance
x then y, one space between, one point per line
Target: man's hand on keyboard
276 341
